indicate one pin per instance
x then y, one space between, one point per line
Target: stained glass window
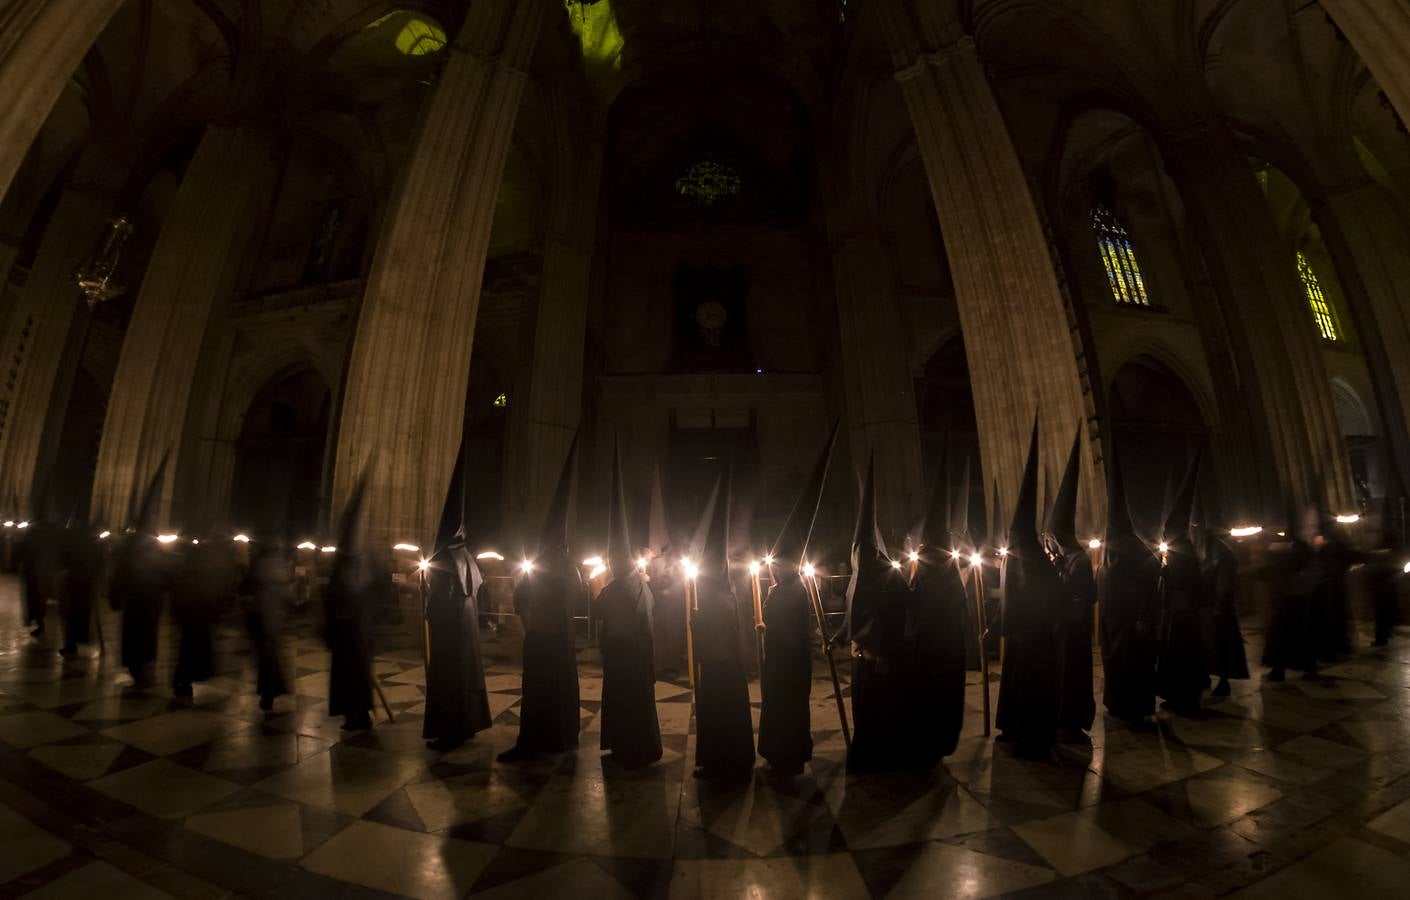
417 37
501 401
1128 286
1321 309
708 182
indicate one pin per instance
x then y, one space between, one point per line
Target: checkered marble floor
1299 789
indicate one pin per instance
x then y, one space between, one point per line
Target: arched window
1128 287
1321 309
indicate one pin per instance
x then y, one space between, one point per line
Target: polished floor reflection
1298 789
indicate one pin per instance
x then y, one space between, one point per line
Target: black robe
1382 583
1330 609
1224 641
457 705
83 571
1077 707
1028 685
724 723
269 586
40 562
548 712
1290 642
940 635
1129 610
349 602
1181 672
785 732
630 730
668 618
200 593
882 727
138 587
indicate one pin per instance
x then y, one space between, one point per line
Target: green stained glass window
1123 272
708 182
1321 309
417 37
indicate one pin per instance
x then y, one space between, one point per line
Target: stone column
544 424
404 399
1368 239
1015 322
42 347
880 391
41 44
1271 329
1380 32
188 281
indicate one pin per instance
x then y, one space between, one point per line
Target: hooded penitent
785 736
545 598
723 722
629 726
1077 708
348 602
1181 671
1032 598
1224 642
1386 568
1128 604
139 579
38 555
878 597
457 704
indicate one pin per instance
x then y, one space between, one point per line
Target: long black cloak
40 561
1077 709
548 712
785 733
457 704
1181 672
269 585
724 724
83 572
138 588
1224 640
348 605
1289 639
200 593
630 729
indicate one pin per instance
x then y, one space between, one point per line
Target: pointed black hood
619 541
1023 528
144 514
1118 514
349 537
866 537
554 533
959 505
1062 518
797 530
1177 523
996 537
709 547
452 526
658 535
935 531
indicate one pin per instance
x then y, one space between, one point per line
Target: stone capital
935 58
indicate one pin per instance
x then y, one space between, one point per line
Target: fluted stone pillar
880 391
41 44
41 348
1270 327
404 400
1380 32
188 281
1371 246
1015 323
549 417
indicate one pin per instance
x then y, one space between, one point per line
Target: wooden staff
981 629
811 585
425 622
692 606
759 627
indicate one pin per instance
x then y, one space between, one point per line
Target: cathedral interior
292 276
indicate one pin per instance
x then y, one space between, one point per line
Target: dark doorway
945 407
279 457
1156 425
702 449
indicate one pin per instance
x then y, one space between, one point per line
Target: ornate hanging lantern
97 277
